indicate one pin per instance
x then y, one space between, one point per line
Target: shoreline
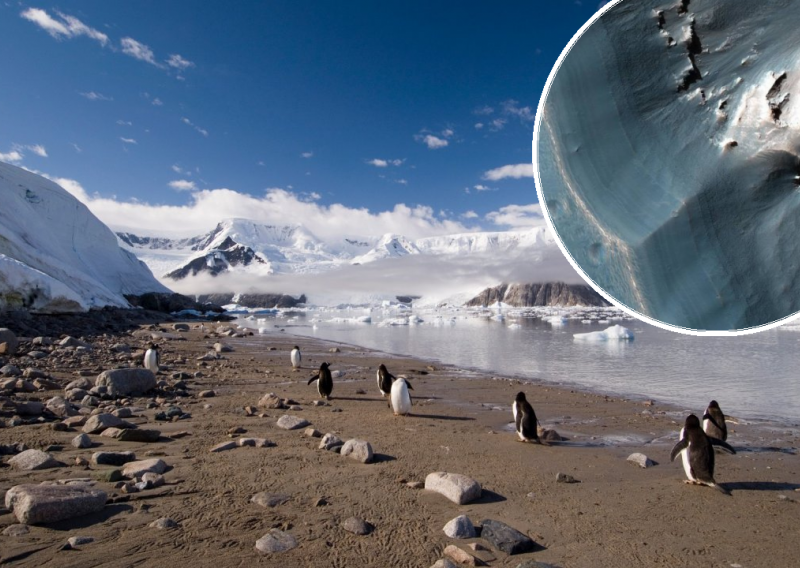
617 515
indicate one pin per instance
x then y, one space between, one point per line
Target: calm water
754 377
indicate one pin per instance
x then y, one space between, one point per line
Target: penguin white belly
378 374
295 358
151 360
686 467
401 399
706 424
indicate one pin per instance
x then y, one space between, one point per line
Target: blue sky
173 114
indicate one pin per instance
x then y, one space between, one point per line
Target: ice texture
668 156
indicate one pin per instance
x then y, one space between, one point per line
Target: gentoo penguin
714 422
385 380
151 358
525 419
401 399
698 454
324 381
295 357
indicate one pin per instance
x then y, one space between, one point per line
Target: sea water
754 377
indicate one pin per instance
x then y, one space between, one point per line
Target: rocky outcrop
228 253
170 303
253 300
530 295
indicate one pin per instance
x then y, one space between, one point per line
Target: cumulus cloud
469 215
94 96
379 163
483 111
183 185
157 102
124 122
524 113
431 141
518 216
13 157
307 154
64 26
515 171
178 62
138 50
202 131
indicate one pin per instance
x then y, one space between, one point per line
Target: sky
166 117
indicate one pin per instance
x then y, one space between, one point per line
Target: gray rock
271 400
641 460
32 373
506 538
292 422
460 489
154 479
10 371
207 394
127 382
275 541
313 433
535 564
164 523
123 412
460 527
82 441
80 540
180 326
42 340
111 432
72 342
565 478
139 468
329 441
222 348
30 460
357 526
462 556
359 450
16 530
75 421
444 563
30 408
113 458
82 383
59 406
269 499
10 339
35 504
224 446
139 435
90 400
255 442
99 422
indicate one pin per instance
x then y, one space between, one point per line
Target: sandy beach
617 514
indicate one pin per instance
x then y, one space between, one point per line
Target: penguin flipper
409 385
679 447
314 378
724 445
711 419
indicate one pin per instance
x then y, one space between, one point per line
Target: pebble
154 479
641 460
292 422
459 488
461 556
506 538
139 468
275 541
255 442
444 563
224 446
269 499
565 478
357 526
164 523
460 527
207 394
79 540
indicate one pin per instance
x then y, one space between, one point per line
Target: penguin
324 381
400 397
714 422
697 453
151 358
295 357
525 420
385 380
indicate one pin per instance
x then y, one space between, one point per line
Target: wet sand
617 515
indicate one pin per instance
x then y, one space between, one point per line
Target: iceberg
615 332
668 160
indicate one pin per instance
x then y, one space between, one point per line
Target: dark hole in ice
683 7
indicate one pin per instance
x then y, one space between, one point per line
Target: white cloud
469 215
448 132
515 171
202 131
478 125
483 111
402 181
66 28
138 50
128 140
431 141
518 216
307 154
157 102
13 157
179 62
177 169
378 163
77 148
124 122
481 187
497 124
183 185
38 149
93 96
525 114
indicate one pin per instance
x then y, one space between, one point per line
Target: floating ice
615 332
556 320
669 159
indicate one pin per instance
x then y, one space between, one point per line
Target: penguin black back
324 381
525 419
714 422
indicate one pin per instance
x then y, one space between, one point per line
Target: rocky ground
231 459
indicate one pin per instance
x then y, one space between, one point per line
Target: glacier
668 160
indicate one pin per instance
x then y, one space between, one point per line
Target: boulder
357 526
127 382
10 339
460 527
113 458
292 422
641 460
330 441
460 489
139 468
139 435
275 541
36 504
30 460
359 450
506 538
99 422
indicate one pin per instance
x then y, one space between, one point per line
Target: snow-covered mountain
55 255
245 246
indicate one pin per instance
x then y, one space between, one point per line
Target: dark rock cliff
549 294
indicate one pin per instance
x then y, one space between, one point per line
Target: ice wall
668 159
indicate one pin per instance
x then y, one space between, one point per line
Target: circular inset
667 154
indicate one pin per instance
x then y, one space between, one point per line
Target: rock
139 468
111 475
313 433
359 450
10 371
82 441
60 407
30 408
222 348
75 421
35 504
32 373
79 540
271 400
153 479
641 460
338 374
329 441
16 530
123 412
415 485
334 350
10 339
565 478
207 394
292 422
460 527
82 384
462 557
139 435
30 460
72 342
163 523
113 458
224 446
255 442
549 435
275 541
250 410
534 564
127 382
99 422
112 433
505 538
269 499
357 526
444 563
460 489
180 326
